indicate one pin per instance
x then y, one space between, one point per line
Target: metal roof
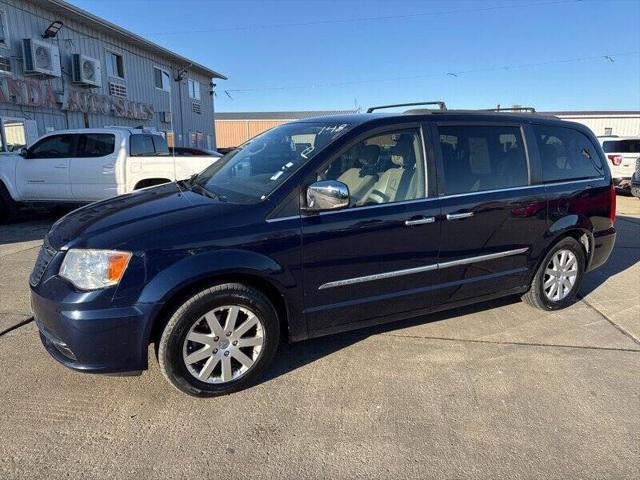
278 115
64 8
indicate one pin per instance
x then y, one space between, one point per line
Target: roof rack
441 105
510 109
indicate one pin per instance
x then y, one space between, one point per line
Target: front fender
195 268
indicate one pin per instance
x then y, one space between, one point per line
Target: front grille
42 262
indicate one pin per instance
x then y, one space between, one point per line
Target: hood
120 220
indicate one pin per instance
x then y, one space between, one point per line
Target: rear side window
160 145
479 158
566 154
55 146
141 146
621 146
95 145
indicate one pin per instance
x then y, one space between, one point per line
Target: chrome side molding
426 268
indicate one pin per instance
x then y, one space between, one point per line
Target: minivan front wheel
219 341
557 281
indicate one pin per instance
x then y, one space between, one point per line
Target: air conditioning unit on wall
40 58
86 70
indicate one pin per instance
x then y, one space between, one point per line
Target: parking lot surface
498 390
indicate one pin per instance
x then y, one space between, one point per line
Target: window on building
55 146
384 168
478 158
4 30
194 89
566 154
5 65
95 145
608 131
115 65
162 79
15 134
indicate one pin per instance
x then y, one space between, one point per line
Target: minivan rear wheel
219 341
558 278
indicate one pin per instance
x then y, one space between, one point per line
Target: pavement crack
521 344
620 328
16 326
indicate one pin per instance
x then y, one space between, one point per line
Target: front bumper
105 340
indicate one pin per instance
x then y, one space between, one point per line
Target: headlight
94 269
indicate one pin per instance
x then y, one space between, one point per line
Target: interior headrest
369 154
403 152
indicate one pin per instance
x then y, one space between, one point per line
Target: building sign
31 93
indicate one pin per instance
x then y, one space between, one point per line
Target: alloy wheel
560 275
223 344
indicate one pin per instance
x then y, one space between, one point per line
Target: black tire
635 191
170 350
8 208
536 296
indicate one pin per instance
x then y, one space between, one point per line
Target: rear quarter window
566 154
141 146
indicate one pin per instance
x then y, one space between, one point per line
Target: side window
141 146
384 168
478 158
55 146
566 154
160 145
95 145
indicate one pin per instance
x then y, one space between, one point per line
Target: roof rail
441 105
510 109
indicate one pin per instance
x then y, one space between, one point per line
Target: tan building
621 123
235 128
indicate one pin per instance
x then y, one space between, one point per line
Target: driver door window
384 168
56 146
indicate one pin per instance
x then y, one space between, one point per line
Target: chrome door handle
458 216
419 221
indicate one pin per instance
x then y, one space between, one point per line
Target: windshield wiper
205 191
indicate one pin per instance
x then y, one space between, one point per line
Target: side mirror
327 195
23 152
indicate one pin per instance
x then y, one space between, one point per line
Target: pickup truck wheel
558 278
8 208
635 191
219 341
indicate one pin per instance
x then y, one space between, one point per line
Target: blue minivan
320 226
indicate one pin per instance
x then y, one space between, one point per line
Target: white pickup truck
81 166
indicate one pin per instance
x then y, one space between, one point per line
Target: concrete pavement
498 390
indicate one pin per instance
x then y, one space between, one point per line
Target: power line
455 74
362 19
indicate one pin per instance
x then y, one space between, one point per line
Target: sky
337 55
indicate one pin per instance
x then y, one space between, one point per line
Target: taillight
612 203
615 159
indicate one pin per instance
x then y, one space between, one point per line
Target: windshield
252 171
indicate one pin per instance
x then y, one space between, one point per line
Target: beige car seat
361 180
398 182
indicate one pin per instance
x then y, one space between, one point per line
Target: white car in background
86 165
622 153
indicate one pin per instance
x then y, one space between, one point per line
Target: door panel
504 224
44 175
365 242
